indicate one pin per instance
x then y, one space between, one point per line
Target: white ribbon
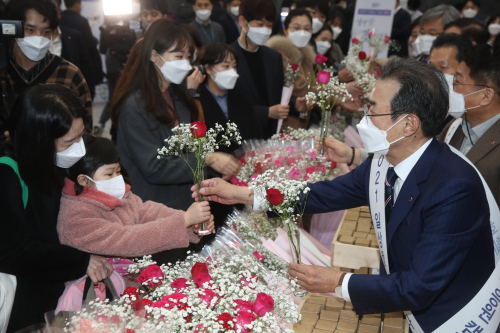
471 316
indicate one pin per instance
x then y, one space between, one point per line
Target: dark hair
99 151
320 5
477 33
461 23
323 28
296 13
459 42
484 67
422 91
333 14
40 115
194 35
413 4
16 10
159 5
415 23
475 2
71 3
184 13
140 74
492 18
496 46
215 53
258 10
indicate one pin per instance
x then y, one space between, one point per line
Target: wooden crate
351 255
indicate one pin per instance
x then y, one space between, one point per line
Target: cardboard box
371 321
362 242
309 318
365 209
320 331
347 239
388 329
334 304
368 329
362 270
345 232
394 322
363 228
352 215
359 234
348 306
311 308
303 328
329 315
317 300
348 225
347 325
348 315
326 325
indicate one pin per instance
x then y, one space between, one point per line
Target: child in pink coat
100 215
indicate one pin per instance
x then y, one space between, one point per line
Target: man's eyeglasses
366 109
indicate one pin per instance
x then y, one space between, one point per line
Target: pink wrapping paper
323 249
304 253
283 254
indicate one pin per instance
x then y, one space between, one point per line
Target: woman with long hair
154 98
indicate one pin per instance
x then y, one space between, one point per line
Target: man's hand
220 191
345 76
354 89
339 152
99 268
315 279
279 111
350 105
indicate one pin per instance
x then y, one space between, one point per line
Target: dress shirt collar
244 48
477 131
214 94
404 168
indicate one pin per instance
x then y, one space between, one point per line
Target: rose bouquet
220 294
287 199
330 90
195 139
358 64
290 75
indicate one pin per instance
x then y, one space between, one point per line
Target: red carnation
362 55
201 129
321 59
274 196
295 67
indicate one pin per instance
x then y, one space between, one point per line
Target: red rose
362 55
320 59
274 197
355 40
333 166
201 129
323 77
242 183
263 304
245 318
259 169
179 284
387 39
243 161
295 67
243 305
259 256
146 302
208 296
174 301
201 278
199 267
310 169
234 180
151 272
130 331
131 291
225 319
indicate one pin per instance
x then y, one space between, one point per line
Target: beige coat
305 57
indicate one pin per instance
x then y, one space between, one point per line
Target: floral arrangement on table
287 199
329 91
195 139
216 294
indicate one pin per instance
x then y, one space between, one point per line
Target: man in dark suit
261 68
401 31
230 22
435 238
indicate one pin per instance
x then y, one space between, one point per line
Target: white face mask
175 71
114 186
336 32
235 10
322 47
226 79
258 36
449 80
457 103
414 48
469 13
425 42
34 47
494 29
203 14
374 139
300 38
67 158
317 25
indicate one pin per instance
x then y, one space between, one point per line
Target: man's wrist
244 195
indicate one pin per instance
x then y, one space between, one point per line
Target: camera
200 67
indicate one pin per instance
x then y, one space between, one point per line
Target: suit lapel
485 144
458 138
410 190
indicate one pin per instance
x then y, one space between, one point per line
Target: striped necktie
390 180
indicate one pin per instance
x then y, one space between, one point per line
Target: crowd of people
66 192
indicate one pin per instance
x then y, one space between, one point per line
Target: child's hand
199 212
210 226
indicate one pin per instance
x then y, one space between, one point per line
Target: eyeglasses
366 109
468 84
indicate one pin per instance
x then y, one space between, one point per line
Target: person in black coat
401 31
45 121
220 102
229 21
74 50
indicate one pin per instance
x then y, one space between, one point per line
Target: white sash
452 130
472 315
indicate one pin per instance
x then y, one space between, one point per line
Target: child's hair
99 152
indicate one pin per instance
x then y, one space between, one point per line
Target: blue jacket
439 239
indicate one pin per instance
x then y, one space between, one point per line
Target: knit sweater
99 223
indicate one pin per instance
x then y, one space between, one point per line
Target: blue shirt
221 100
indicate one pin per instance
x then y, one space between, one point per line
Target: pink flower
333 166
322 167
151 272
294 174
355 40
245 318
263 304
208 296
371 33
259 256
201 278
278 163
174 301
289 149
306 177
323 77
253 177
244 281
242 183
243 305
159 304
267 155
387 39
234 180
320 59
179 284
291 160
312 155
310 169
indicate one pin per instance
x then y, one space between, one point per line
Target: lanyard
211 30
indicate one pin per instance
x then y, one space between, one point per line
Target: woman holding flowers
155 100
